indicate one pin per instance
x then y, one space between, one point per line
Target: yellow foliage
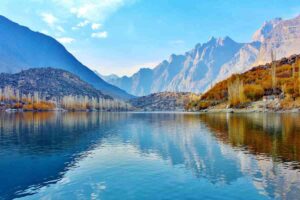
236 93
28 107
253 92
260 81
43 106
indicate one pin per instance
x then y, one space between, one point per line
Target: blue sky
120 36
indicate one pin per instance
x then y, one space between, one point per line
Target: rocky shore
263 106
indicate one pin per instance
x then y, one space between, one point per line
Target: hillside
47 89
164 101
278 82
49 82
213 61
21 48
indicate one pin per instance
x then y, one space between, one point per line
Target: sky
121 36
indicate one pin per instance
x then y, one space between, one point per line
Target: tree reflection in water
273 139
39 149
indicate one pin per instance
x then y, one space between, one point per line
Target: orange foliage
17 106
259 76
43 106
28 107
258 82
253 92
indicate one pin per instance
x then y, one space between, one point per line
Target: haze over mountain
215 60
21 48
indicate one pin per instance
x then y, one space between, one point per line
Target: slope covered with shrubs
280 77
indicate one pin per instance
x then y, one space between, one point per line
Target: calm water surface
149 156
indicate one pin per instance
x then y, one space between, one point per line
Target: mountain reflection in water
160 156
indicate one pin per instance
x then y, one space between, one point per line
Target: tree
273 71
236 93
294 78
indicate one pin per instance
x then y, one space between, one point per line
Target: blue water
149 156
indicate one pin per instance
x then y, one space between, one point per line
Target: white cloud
96 26
65 40
102 34
83 24
52 22
49 18
93 10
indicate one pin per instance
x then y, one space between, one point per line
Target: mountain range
22 48
206 64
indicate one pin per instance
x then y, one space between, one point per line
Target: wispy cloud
96 26
93 10
66 40
52 21
102 34
83 23
49 18
80 14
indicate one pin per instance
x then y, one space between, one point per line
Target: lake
149 156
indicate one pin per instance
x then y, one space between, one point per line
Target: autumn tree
236 94
273 71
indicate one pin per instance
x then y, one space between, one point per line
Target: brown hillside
256 83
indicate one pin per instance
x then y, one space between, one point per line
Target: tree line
12 98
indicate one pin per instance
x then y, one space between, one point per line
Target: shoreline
237 110
208 111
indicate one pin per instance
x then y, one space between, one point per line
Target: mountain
278 35
240 62
107 78
21 48
206 64
49 82
283 39
262 33
192 71
163 101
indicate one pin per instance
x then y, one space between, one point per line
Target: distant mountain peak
215 60
198 45
212 40
263 32
224 40
174 57
171 58
220 41
145 69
